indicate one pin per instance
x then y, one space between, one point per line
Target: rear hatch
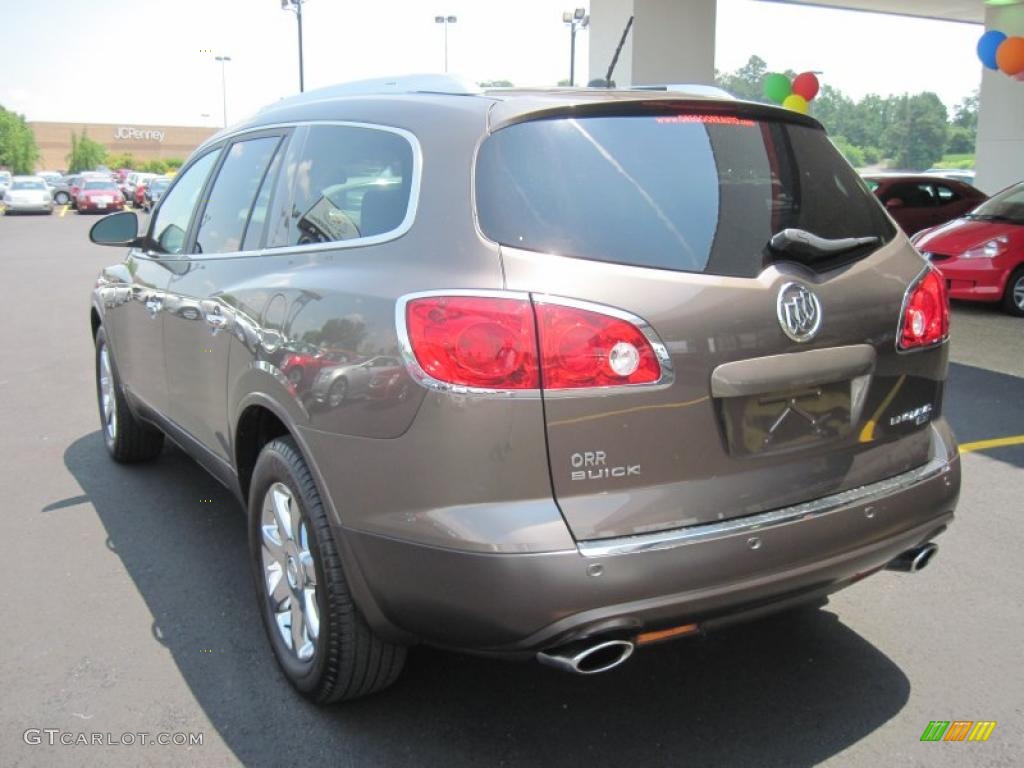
665 210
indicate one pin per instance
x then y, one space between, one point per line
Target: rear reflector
925 320
491 342
646 638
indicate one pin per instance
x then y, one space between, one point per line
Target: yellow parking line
63 210
997 442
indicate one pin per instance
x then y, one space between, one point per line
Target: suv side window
345 183
222 226
945 194
912 195
170 223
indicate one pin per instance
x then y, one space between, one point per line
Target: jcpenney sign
138 134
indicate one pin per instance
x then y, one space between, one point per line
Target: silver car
28 194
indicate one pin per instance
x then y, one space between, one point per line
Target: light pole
574 19
296 5
446 20
224 85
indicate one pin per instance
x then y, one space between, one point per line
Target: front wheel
127 439
61 198
1013 299
320 639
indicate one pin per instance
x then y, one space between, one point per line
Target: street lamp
446 20
296 5
224 85
574 19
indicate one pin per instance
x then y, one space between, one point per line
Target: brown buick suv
534 374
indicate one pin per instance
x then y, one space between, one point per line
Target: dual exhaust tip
588 657
592 656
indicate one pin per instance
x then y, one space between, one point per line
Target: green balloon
777 87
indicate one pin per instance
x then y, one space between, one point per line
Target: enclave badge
799 312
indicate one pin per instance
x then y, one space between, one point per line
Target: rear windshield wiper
801 243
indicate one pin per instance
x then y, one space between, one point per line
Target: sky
152 61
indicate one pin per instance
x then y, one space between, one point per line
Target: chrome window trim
428 381
358 242
679 537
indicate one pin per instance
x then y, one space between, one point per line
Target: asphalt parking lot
130 608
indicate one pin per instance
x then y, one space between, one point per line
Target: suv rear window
681 191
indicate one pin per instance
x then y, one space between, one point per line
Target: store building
144 142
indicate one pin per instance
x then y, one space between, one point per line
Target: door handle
216 320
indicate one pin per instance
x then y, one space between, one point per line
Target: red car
99 196
919 202
981 255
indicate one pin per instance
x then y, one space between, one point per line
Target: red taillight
583 348
926 313
490 342
474 341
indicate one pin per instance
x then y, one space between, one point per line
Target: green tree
85 153
18 150
745 82
154 166
496 84
173 163
121 160
916 137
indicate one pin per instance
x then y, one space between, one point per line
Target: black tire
1014 291
129 440
62 198
349 660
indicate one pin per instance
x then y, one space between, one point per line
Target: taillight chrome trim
425 379
903 312
660 350
413 365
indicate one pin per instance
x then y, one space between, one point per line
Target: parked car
981 255
99 196
370 378
153 189
956 174
27 194
667 365
918 202
58 185
138 193
76 183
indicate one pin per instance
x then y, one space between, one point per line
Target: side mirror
893 202
120 229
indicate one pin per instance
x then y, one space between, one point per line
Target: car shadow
791 690
987 406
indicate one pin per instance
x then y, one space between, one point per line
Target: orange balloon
1010 55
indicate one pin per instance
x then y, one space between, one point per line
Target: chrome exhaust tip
587 657
915 559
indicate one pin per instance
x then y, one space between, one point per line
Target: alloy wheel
289 573
1018 293
108 399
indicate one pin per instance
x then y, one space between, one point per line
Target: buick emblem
799 312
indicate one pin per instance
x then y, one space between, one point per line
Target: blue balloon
987 46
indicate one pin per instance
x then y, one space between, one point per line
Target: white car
5 181
28 194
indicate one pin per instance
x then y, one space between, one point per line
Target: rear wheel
61 198
320 639
127 439
1013 299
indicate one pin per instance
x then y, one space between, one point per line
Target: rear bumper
515 604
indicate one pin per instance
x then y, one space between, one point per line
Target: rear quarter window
680 191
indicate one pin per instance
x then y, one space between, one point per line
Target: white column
672 41
1000 149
